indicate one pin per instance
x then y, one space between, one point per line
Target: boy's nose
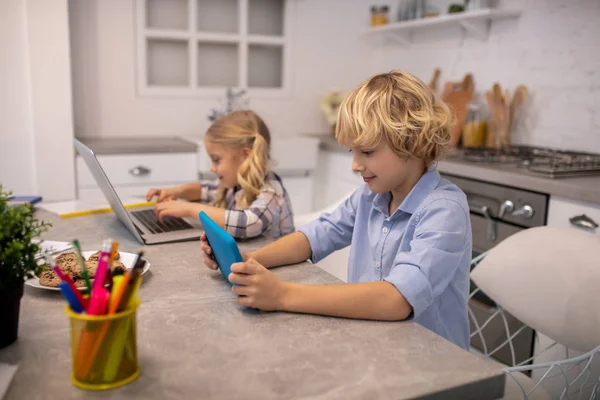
213 169
356 167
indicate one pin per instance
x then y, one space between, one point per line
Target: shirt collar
411 202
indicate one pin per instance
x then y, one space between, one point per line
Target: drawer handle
583 221
139 171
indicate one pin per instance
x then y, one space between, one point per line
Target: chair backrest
548 278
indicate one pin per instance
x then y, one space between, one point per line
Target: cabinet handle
583 221
139 171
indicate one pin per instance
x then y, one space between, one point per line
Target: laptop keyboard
169 224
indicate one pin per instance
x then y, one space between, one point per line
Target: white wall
50 71
17 163
326 54
553 48
36 126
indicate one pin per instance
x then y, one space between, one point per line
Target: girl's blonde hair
243 129
399 108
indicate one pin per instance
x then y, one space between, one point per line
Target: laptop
141 222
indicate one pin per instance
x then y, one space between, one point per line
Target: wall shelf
476 23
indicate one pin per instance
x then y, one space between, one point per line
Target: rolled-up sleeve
208 191
254 220
423 273
332 231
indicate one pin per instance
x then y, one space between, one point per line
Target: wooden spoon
519 97
434 80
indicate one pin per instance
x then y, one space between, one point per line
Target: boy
409 229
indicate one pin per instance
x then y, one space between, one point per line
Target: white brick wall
553 48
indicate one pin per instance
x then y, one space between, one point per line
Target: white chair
549 279
337 262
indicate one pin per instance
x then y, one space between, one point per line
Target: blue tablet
223 245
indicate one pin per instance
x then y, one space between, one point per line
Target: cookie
96 256
118 268
66 261
49 278
90 266
79 282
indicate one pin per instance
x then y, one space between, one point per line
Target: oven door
495 333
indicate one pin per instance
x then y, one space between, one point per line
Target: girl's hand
208 256
257 286
174 208
163 194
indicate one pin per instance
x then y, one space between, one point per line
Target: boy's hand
207 253
162 194
209 257
257 286
174 208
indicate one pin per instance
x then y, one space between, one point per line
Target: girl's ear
246 151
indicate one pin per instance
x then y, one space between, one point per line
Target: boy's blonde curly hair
399 108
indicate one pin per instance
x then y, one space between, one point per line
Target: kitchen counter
195 341
139 145
585 188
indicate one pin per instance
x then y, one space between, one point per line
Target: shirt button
378 264
385 229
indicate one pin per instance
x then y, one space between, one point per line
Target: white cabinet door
132 175
300 190
125 193
570 213
340 180
139 169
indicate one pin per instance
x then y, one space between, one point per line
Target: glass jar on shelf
475 129
379 15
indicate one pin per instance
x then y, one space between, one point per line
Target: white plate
126 258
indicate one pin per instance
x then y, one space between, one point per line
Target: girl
247 199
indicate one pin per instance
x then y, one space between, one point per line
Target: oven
498 212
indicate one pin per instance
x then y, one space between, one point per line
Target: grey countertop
195 341
140 145
586 188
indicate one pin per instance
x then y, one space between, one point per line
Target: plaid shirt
270 214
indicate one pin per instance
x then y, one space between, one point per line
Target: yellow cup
104 349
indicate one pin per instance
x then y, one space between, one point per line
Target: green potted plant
18 229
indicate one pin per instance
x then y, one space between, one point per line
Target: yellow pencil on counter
105 209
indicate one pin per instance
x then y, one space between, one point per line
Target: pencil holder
104 349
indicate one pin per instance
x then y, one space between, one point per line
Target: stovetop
547 162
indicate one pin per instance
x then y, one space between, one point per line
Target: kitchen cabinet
200 48
132 175
564 212
335 178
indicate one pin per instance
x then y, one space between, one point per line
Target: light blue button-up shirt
423 249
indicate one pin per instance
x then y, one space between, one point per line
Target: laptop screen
107 189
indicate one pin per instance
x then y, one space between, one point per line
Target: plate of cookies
69 264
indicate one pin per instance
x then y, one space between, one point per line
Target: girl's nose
213 169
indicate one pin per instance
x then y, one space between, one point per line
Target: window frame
243 39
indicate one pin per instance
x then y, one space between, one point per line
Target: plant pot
9 314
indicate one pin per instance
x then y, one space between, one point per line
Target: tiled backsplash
553 48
